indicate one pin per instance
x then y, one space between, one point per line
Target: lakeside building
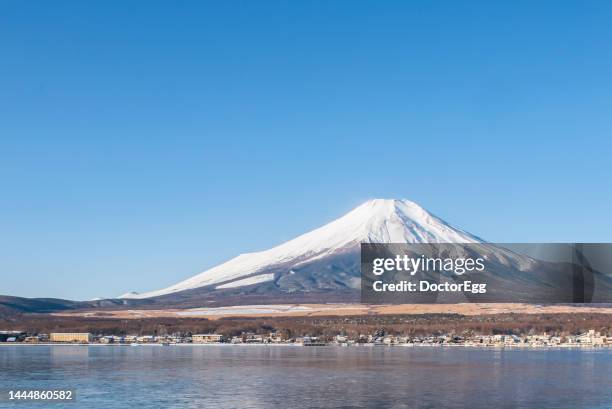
275 338
146 339
252 338
309 341
591 338
73 337
35 339
206 338
12 336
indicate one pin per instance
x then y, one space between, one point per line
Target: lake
250 376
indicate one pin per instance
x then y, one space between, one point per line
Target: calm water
316 377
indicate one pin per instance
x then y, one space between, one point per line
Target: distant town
591 338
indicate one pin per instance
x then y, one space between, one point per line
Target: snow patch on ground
258 309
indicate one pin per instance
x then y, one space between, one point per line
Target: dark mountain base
253 295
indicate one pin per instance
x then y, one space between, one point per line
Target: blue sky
143 142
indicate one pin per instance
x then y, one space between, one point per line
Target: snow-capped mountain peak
375 221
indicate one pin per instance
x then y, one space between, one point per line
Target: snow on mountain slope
262 278
376 221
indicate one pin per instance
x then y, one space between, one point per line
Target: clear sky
143 142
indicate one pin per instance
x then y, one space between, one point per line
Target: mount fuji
324 265
321 261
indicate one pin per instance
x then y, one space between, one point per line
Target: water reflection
283 376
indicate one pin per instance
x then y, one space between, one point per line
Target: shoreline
333 345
